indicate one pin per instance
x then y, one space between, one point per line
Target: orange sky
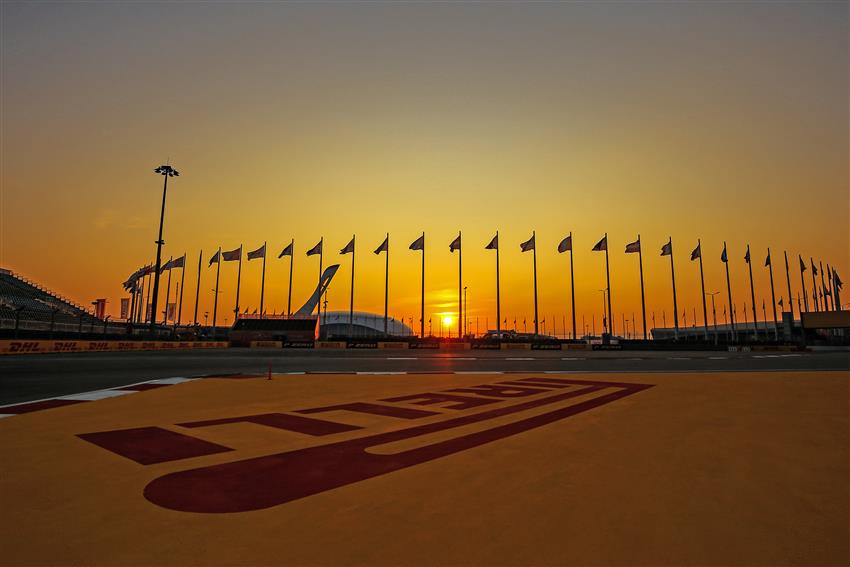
723 122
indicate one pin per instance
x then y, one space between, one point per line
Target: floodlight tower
166 171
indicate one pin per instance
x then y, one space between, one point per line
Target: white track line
96 395
400 358
369 373
520 358
573 358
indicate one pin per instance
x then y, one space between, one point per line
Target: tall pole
753 294
572 287
386 283
823 288
608 282
673 277
773 296
321 256
814 287
459 287
803 284
729 294
238 284
788 281
289 292
498 293
422 304
167 293
351 300
198 288
148 301
642 296
182 283
215 300
534 251
263 280
702 287
159 243
832 299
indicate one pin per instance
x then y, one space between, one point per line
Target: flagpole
321 256
198 288
182 283
729 294
289 292
498 292
814 286
386 283
422 304
608 281
753 295
351 300
773 296
788 281
673 277
642 296
238 284
702 287
167 291
835 290
803 285
831 286
147 299
215 301
534 251
825 301
263 280
459 287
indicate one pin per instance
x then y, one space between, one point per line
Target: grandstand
27 307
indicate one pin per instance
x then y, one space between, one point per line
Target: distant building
364 325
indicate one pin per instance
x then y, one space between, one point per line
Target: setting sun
448 320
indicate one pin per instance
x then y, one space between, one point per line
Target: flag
601 245
384 247
814 269
723 257
167 266
286 251
317 249
215 258
179 262
767 260
802 264
418 244
233 255
697 253
258 253
633 247
780 302
837 281
667 249
527 245
494 244
349 248
747 256
455 245
566 244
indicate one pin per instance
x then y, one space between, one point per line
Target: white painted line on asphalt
634 358
456 357
291 373
175 380
678 358
789 355
377 372
2 415
401 358
573 358
718 357
97 395
477 372
520 358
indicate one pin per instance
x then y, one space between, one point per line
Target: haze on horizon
720 121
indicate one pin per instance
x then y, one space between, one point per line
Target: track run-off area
415 458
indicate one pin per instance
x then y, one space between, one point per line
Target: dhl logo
465 418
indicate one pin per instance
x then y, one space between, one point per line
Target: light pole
713 313
166 171
465 313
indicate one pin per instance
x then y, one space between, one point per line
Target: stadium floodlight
166 171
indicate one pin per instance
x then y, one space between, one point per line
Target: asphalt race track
32 377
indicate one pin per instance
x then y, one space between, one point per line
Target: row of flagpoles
830 287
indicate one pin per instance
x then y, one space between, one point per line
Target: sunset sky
720 121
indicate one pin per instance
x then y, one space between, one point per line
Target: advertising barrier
43 347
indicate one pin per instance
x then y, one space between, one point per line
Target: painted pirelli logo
437 424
